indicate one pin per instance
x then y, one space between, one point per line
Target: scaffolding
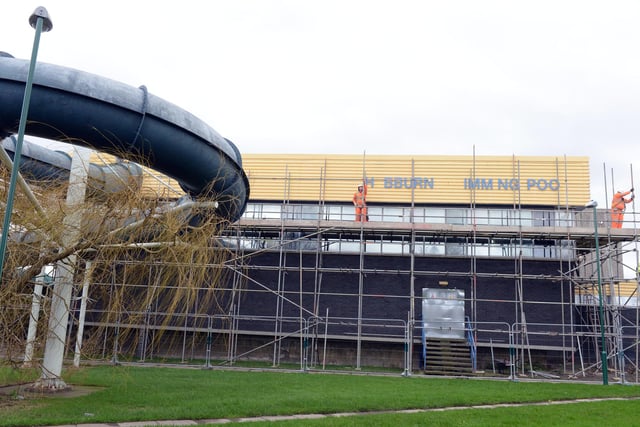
293 243
286 255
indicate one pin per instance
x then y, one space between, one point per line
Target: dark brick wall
386 289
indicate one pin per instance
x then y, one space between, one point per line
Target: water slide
87 110
38 163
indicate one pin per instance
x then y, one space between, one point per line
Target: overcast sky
382 77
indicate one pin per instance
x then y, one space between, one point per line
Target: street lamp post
603 344
41 21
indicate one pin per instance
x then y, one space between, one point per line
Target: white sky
543 77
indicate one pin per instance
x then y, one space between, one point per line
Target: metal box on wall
443 313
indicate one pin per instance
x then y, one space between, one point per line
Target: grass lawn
125 393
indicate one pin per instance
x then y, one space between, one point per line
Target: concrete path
214 421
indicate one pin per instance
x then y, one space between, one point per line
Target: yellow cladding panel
622 289
154 184
157 185
492 180
499 180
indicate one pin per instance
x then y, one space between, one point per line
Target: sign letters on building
510 184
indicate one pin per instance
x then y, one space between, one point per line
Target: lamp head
41 12
591 204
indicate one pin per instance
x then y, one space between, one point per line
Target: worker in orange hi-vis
618 205
360 202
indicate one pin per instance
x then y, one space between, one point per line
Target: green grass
13 375
580 414
139 393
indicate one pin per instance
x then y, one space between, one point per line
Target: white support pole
61 298
324 348
81 316
33 320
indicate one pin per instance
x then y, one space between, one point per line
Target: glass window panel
567 249
407 215
497 217
455 249
375 213
541 251
270 211
349 246
456 216
395 248
496 250
310 212
430 249
522 217
419 215
372 247
435 215
564 218
390 214
527 251
292 211
542 218
337 213
481 250
252 211
481 216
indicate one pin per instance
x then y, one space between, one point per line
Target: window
434 215
456 216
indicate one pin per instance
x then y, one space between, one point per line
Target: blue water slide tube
84 109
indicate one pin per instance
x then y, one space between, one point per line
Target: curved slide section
88 110
42 164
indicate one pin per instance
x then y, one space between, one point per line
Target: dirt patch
15 394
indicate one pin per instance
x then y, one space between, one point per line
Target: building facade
509 236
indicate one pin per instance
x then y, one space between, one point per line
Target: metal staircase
447 357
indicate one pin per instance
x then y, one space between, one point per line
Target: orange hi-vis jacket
360 198
619 203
